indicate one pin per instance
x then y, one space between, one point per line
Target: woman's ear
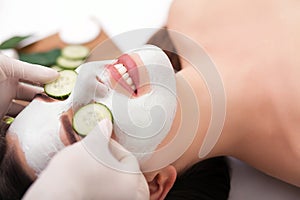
160 182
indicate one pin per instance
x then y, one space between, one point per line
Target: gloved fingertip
51 74
101 90
99 136
131 160
105 126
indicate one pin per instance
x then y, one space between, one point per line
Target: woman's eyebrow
67 126
44 97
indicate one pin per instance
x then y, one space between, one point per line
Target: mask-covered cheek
142 123
41 148
37 128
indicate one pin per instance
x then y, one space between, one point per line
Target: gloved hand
12 72
90 84
94 168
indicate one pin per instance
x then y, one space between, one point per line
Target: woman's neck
182 145
193 119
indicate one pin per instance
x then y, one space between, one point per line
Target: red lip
132 70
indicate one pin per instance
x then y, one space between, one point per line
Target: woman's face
140 90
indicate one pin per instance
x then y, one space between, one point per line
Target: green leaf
13 42
45 58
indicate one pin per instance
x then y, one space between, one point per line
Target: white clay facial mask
140 90
37 128
141 122
38 125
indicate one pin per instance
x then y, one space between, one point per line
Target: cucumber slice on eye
86 118
62 87
68 63
75 52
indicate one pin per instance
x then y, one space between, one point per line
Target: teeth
117 66
123 71
133 87
125 76
129 81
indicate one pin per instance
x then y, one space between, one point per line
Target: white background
43 17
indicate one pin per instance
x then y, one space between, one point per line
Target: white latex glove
12 72
88 88
82 171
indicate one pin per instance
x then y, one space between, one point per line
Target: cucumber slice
86 118
75 52
62 87
67 63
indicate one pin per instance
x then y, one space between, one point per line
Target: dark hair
206 180
13 179
162 40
